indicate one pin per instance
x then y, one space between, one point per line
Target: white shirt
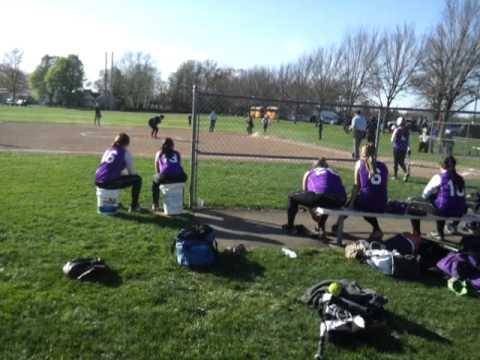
359 123
129 163
433 185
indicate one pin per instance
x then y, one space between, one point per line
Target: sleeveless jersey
325 181
373 194
450 200
401 139
111 165
171 165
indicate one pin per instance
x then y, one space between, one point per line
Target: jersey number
451 187
376 179
109 157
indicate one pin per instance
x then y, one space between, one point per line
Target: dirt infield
81 139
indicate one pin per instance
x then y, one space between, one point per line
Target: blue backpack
196 247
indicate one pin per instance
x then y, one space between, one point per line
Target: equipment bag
88 269
405 244
196 247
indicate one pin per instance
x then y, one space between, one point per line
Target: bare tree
398 61
324 78
10 74
358 55
450 67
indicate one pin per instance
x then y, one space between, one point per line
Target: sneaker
290 230
334 228
394 178
376 235
155 208
406 177
137 209
451 230
436 236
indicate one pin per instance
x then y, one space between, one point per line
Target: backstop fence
228 130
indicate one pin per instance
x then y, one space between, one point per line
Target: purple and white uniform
111 166
401 139
171 166
372 196
325 181
449 199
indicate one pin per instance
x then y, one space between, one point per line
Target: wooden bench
354 213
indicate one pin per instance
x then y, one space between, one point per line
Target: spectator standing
265 123
213 120
359 128
424 140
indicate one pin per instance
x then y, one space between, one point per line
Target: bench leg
340 221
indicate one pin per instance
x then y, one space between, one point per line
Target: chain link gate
233 128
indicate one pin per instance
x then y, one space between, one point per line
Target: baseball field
245 308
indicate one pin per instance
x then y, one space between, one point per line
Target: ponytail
449 164
167 148
368 155
121 140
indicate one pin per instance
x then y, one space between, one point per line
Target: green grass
243 309
333 136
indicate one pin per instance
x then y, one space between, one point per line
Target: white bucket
172 198
107 201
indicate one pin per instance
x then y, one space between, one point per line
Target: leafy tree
65 79
38 79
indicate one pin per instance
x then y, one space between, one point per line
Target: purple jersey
372 195
325 181
111 166
401 140
169 165
450 200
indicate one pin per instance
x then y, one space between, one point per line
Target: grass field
333 136
243 309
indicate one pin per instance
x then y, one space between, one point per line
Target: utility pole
105 78
111 83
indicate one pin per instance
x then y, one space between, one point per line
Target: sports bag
393 263
196 247
88 269
404 244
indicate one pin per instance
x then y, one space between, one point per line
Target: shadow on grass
159 220
388 338
237 267
236 228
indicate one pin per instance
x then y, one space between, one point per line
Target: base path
81 139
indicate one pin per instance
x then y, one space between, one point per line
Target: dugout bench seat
355 213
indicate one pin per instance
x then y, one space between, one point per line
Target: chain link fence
242 128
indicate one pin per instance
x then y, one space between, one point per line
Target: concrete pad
256 228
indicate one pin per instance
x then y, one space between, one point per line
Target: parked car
329 117
10 101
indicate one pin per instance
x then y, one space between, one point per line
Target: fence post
379 130
193 159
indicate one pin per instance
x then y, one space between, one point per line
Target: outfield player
154 123
265 123
370 188
114 161
250 124
321 186
401 147
98 115
446 192
168 166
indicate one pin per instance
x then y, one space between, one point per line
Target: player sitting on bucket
446 192
168 166
370 188
153 123
321 187
114 161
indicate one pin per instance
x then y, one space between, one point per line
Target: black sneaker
290 230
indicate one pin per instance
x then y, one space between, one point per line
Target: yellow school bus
258 112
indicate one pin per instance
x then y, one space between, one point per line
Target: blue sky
234 33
